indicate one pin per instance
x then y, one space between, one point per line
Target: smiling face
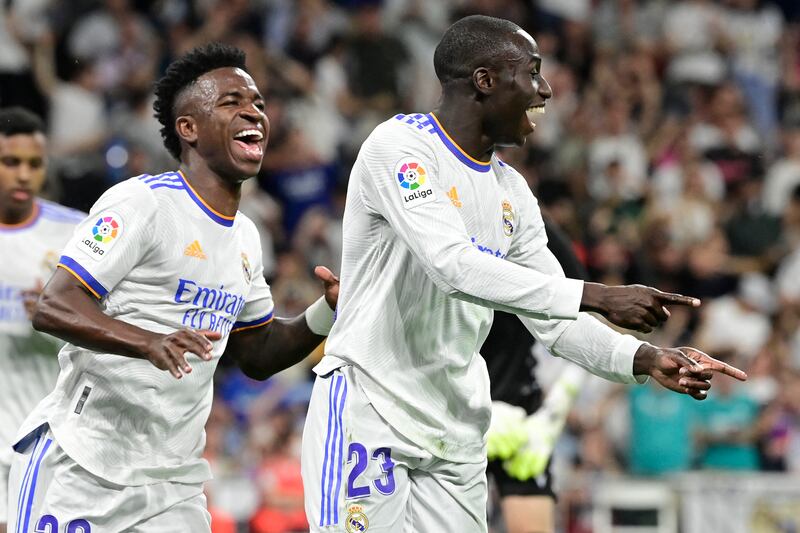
221 116
22 173
519 96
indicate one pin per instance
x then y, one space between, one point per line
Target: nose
24 172
545 91
252 113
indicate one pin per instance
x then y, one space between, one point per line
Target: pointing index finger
678 299
725 368
715 365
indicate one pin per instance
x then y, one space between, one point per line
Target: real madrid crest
508 218
356 521
246 268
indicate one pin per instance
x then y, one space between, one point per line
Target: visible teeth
249 133
537 109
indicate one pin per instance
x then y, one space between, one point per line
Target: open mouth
532 111
249 142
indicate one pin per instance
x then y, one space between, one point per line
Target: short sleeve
113 239
258 308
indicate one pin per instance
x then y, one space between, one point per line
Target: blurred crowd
670 153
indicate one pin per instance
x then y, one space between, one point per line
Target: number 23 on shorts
357 453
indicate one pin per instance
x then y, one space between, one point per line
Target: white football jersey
28 359
158 257
433 241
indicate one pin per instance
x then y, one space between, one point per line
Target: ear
484 80
186 127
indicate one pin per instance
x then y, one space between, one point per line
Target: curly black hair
183 72
19 121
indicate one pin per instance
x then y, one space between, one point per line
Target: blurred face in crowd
520 94
22 174
222 117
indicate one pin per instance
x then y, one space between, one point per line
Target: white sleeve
589 343
258 307
586 341
400 182
113 239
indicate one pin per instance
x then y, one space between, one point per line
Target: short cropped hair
19 121
472 42
182 73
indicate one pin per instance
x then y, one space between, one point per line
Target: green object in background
662 423
724 414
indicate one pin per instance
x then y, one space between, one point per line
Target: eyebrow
239 94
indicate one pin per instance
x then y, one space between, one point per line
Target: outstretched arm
264 351
66 309
462 267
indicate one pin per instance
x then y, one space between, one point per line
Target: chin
245 170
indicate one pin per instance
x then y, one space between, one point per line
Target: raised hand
686 370
635 307
331 283
168 352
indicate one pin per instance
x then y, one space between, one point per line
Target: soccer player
438 233
32 232
162 278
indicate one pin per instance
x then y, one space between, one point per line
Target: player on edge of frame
32 233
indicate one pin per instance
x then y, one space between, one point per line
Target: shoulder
157 183
132 197
403 132
58 213
150 188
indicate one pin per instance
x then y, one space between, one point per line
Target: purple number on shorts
47 524
385 486
361 464
79 526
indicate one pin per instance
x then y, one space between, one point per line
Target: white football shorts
360 475
48 491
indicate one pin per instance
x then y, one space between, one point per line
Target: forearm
263 352
71 315
590 344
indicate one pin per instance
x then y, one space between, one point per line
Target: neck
221 194
10 216
462 120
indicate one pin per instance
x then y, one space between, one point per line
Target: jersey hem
257 323
88 281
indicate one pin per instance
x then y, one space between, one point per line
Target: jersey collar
456 150
214 215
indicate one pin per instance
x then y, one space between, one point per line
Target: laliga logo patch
413 182
356 521
103 236
508 218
